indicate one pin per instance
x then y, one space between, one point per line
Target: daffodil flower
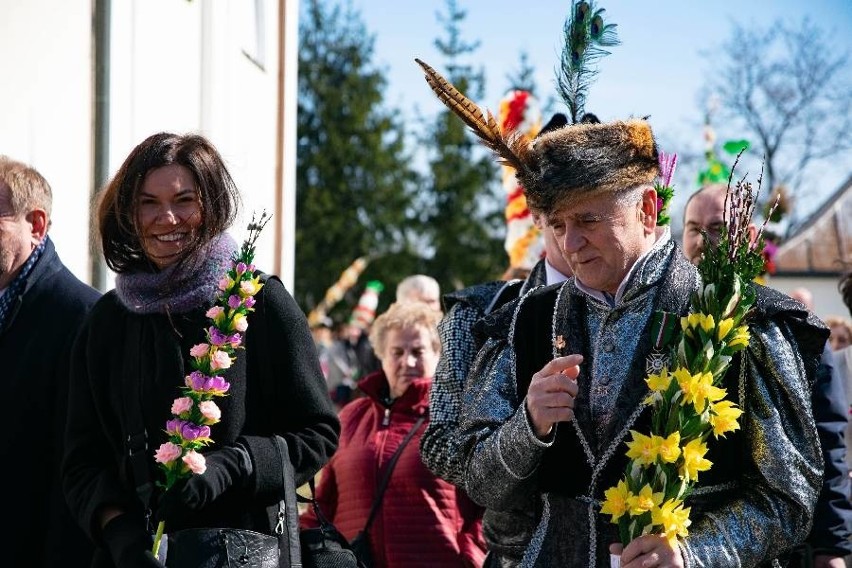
615 501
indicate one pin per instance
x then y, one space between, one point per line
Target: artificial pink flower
240 322
210 412
225 283
195 462
215 312
220 360
167 452
199 350
181 405
249 288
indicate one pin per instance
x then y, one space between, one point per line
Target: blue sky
658 70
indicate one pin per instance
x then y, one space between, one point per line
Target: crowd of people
506 437
481 428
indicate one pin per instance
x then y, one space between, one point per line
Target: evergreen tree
354 183
523 77
463 211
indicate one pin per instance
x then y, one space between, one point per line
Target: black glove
228 467
128 543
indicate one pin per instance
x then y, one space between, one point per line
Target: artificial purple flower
217 385
173 426
195 380
667 163
190 431
235 340
241 267
249 302
234 301
217 337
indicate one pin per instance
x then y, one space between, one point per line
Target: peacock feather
587 35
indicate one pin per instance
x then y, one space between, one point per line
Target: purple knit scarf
181 287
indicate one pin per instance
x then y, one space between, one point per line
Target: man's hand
649 550
550 397
822 561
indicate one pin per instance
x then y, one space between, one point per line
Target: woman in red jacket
422 520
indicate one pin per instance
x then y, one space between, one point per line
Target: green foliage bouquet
688 400
193 413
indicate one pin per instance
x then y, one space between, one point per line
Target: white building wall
46 109
205 66
827 299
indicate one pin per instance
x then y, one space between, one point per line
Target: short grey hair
28 188
417 283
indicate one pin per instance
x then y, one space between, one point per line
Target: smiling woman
169 213
163 220
172 195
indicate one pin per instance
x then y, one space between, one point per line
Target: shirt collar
552 275
663 239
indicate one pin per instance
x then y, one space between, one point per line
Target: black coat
34 347
277 388
833 514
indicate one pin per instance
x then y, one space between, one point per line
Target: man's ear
649 209
537 220
37 218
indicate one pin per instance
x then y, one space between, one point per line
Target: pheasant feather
484 125
586 36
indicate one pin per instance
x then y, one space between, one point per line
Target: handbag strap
135 434
384 484
287 525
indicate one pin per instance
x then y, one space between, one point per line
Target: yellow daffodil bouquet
689 403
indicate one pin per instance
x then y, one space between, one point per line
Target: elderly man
41 307
829 540
560 382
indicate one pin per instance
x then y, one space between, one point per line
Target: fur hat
580 160
577 160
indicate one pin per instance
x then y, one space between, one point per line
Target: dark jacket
830 533
34 347
277 388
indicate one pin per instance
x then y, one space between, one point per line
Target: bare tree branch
787 89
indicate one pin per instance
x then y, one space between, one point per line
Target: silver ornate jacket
507 534
754 504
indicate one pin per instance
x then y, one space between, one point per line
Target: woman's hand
649 550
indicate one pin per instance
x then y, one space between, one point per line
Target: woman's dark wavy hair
117 208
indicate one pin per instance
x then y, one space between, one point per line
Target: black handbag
227 547
215 548
324 546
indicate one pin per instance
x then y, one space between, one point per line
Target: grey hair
28 188
416 283
631 196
